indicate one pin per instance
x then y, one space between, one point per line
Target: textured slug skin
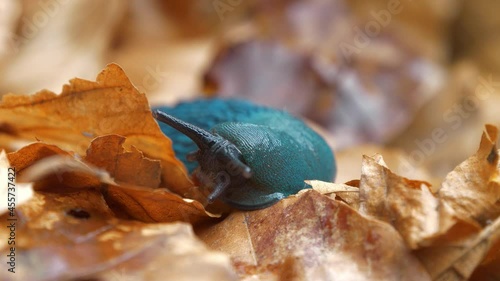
281 150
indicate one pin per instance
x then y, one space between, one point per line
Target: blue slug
249 156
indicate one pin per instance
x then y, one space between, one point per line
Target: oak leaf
85 110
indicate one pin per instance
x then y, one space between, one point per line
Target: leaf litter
106 184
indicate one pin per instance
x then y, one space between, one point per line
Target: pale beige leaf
458 261
329 187
406 204
472 189
343 192
326 239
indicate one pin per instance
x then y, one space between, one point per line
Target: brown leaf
343 192
326 239
155 205
407 204
68 174
32 153
458 261
70 236
472 189
329 187
133 168
85 110
489 269
53 169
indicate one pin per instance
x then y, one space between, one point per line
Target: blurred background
412 80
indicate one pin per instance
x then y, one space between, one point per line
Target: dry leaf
324 238
489 269
133 168
155 205
473 188
67 236
343 192
62 173
471 192
28 155
407 204
53 169
85 110
450 243
457 262
329 187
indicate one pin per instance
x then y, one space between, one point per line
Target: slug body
250 156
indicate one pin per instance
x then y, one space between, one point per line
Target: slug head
221 163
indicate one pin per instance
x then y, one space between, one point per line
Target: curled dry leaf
472 189
343 192
85 110
63 173
53 169
328 187
132 167
32 153
155 205
312 235
458 261
444 228
407 204
471 192
75 235
489 269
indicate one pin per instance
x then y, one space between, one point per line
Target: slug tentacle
202 138
222 181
